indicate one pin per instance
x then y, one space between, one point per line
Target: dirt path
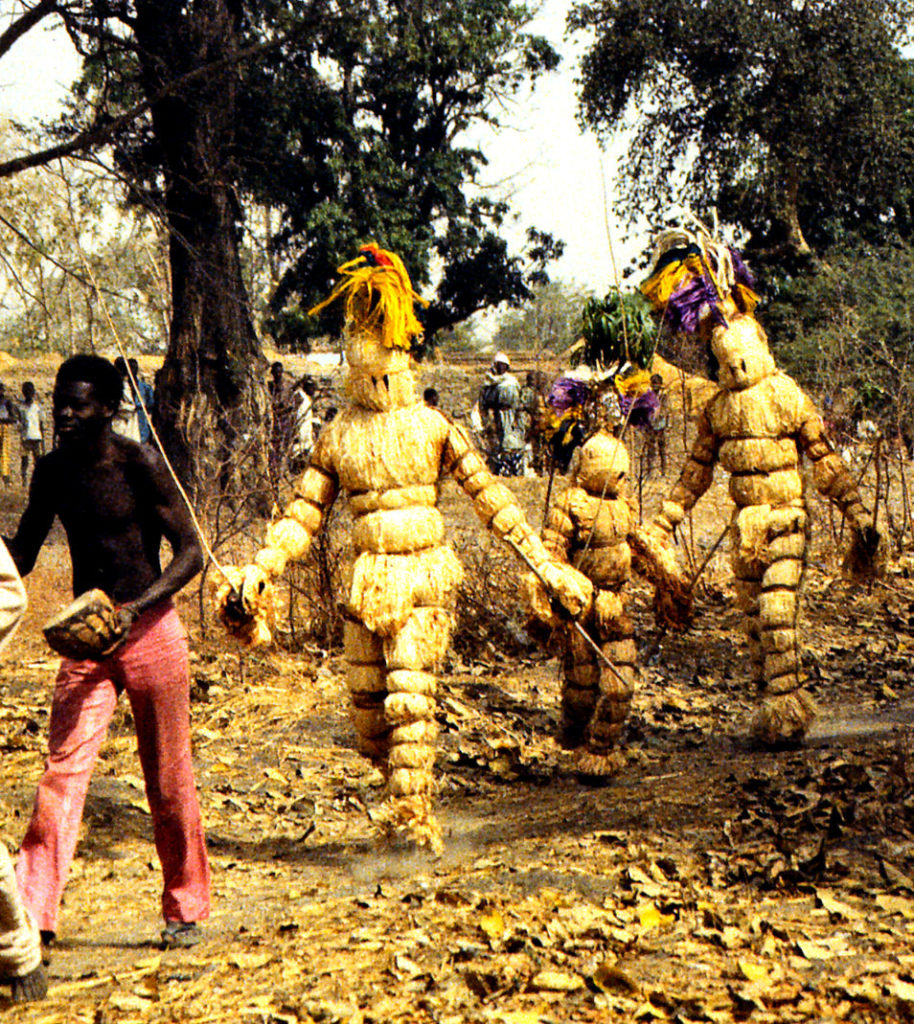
710 881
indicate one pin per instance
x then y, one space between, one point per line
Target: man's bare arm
36 520
178 529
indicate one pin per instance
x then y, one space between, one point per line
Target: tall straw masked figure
756 426
387 452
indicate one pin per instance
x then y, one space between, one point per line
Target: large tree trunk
209 391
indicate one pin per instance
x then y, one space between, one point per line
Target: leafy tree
58 243
375 119
850 329
793 118
551 319
346 117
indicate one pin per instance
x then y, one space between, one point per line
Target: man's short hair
101 374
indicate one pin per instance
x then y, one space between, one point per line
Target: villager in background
387 452
533 399
502 411
126 420
303 422
144 396
32 430
756 426
655 434
9 419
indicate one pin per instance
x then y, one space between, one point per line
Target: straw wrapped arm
833 480
497 507
244 601
694 480
656 562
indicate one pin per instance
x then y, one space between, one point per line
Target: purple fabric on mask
643 409
566 393
741 272
684 308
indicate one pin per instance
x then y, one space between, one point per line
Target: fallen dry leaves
709 883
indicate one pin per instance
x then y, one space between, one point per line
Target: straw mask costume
387 451
594 525
756 426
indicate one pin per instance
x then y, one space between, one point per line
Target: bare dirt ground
709 882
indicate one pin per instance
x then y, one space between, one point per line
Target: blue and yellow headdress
378 297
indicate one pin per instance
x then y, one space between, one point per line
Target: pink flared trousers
152 667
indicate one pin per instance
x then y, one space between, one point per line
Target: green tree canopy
350 124
362 137
792 118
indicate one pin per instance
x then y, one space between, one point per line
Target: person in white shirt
126 420
31 430
303 422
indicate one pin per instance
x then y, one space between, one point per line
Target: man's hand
244 604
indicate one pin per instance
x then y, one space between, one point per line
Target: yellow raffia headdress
378 297
694 274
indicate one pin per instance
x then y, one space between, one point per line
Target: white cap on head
500 357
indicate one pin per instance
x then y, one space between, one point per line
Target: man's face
501 367
79 416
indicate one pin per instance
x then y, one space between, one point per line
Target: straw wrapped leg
768 573
20 945
392 689
596 699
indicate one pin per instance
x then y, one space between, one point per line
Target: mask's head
380 328
602 466
377 377
740 353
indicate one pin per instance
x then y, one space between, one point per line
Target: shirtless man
116 502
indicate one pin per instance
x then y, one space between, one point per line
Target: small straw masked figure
594 526
755 426
387 451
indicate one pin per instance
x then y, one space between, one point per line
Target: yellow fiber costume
756 426
594 525
387 452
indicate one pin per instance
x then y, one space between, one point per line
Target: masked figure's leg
366 676
787 710
580 688
411 656
617 686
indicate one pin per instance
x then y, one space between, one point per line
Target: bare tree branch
18 28
101 132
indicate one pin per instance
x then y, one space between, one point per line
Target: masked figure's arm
497 507
694 480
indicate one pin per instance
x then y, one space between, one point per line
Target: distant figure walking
9 417
655 434
303 426
31 430
126 420
500 402
145 401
